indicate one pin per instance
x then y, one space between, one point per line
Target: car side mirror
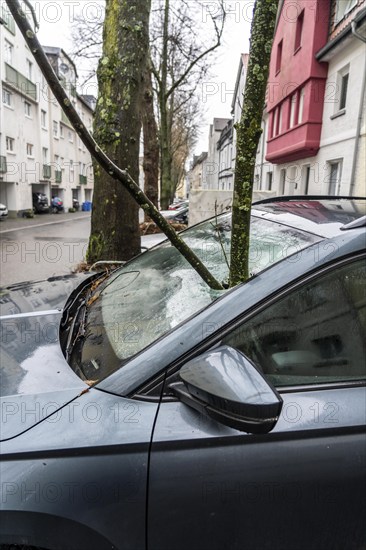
224 384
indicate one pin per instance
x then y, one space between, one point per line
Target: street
48 245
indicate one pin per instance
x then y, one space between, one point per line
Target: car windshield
159 289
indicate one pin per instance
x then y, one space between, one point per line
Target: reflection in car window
316 334
159 289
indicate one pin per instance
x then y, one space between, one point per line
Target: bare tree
180 53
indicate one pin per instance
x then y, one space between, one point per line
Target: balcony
82 180
16 79
295 144
58 176
46 172
3 167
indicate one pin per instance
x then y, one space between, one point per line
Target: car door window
315 334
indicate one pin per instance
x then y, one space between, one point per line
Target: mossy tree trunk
117 125
248 134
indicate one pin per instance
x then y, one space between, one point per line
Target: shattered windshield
153 293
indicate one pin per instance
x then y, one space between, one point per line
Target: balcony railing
20 82
46 172
82 179
58 176
3 167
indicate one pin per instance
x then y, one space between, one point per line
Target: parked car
40 203
178 204
3 211
146 410
180 215
57 205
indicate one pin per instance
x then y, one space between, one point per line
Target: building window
71 137
71 165
61 131
299 27
282 181
344 7
55 128
269 179
43 119
8 52
29 70
293 106
301 106
27 108
279 56
334 177
279 125
45 155
9 143
7 98
343 91
29 150
275 121
306 179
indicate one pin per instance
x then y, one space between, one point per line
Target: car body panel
35 377
296 487
87 463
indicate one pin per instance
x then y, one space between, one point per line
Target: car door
300 486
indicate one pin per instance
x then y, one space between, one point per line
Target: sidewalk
13 224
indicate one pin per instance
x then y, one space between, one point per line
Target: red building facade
296 84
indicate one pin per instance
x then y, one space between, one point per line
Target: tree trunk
151 143
248 134
117 124
165 163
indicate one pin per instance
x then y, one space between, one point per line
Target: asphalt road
48 245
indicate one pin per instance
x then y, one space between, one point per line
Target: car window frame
214 339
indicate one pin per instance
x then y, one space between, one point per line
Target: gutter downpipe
360 112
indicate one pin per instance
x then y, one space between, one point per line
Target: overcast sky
56 18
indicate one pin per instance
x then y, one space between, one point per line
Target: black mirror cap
231 390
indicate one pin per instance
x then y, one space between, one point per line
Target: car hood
35 379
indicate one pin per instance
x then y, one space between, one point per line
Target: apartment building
314 123
39 149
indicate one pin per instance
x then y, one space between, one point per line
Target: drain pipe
360 113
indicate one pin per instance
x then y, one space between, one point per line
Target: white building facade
39 149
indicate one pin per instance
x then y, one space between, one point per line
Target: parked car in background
3 211
142 409
179 215
56 205
40 203
178 204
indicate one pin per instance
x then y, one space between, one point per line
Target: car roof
323 216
